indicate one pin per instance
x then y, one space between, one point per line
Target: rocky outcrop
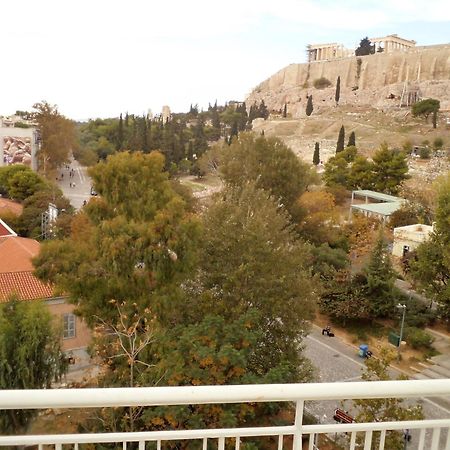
375 80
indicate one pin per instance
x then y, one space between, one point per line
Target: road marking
81 175
336 351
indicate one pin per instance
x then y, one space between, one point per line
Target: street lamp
403 307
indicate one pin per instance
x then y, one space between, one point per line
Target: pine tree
337 95
340 142
380 276
309 106
352 140
316 156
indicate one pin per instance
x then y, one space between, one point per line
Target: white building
408 238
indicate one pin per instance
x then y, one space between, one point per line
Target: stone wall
367 80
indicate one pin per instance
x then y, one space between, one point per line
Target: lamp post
403 307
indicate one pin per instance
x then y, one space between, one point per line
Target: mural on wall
17 150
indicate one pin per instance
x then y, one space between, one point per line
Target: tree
380 278
337 94
58 137
431 267
246 236
385 409
133 244
270 164
343 297
361 174
425 108
390 169
119 144
319 217
316 156
352 140
30 356
20 182
285 111
341 140
365 48
336 171
438 143
309 106
263 111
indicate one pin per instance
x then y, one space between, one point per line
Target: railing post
298 425
221 443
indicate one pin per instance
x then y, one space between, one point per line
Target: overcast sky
97 58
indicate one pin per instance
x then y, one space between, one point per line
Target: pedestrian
62 176
73 185
70 184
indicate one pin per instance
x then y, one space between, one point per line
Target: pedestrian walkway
75 183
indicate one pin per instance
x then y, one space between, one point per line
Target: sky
98 58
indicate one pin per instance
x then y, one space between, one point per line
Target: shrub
424 153
438 143
418 338
321 83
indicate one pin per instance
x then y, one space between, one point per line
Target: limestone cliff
375 80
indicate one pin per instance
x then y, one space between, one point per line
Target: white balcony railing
437 431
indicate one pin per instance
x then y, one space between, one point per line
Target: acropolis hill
376 80
376 94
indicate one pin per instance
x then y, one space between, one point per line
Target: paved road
81 191
337 361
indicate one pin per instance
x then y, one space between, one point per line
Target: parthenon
387 44
391 43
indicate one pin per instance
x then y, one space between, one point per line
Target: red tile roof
25 285
10 207
16 253
5 230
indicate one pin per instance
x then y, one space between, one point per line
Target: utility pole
403 307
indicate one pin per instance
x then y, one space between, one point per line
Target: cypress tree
352 140
337 95
120 134
341 139
316 156
263 111
309 106
285 111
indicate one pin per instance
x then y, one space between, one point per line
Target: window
69 326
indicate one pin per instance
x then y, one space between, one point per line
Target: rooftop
384 209
10 207
377 196
25 285
16 253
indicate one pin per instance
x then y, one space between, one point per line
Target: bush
321 83
438 143
418 338
424 153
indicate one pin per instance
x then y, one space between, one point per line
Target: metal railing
297 393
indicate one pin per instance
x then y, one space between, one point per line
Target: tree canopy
365 47
431 265
30 356
58 137
270 164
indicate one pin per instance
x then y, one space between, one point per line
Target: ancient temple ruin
387 44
